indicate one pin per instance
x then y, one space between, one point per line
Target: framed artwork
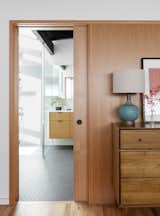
151 97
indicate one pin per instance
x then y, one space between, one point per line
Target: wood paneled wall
111 46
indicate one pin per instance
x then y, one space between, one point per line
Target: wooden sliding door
80 113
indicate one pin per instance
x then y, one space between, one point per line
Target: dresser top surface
138 125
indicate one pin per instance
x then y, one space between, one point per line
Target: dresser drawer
60 129
65 116
145 191
140 164
139 139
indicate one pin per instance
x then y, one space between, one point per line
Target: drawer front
140 164
60 129
65 116
139 139
140 191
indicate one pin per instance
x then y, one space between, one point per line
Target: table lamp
129 81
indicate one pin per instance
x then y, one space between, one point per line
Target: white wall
63 52
50 9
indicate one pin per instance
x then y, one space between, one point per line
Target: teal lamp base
128 112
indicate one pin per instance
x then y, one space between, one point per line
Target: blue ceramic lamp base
128 112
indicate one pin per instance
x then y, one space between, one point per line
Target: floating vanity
60 125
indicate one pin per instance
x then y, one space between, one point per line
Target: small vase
128 112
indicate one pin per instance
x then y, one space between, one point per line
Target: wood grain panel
140 191
111 47
80 112
140 139
140 164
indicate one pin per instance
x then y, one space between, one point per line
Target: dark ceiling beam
53 35
47 41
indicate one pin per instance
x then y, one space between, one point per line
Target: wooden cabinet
60 124
136 161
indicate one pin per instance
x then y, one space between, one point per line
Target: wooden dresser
136 159
60 125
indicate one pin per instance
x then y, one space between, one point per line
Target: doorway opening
46 89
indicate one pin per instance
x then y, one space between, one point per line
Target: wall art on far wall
151 97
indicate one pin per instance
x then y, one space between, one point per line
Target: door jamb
13 96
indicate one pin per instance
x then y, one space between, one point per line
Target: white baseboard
4 201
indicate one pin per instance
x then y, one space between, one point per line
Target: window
69 87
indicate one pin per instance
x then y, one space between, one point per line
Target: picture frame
151 96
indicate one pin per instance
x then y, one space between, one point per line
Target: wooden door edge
12 49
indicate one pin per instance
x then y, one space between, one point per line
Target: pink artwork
154 80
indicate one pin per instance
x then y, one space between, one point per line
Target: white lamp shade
129 81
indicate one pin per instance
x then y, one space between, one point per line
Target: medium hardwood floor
69 208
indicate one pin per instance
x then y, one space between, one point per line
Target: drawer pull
59 120
140 140
79 121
